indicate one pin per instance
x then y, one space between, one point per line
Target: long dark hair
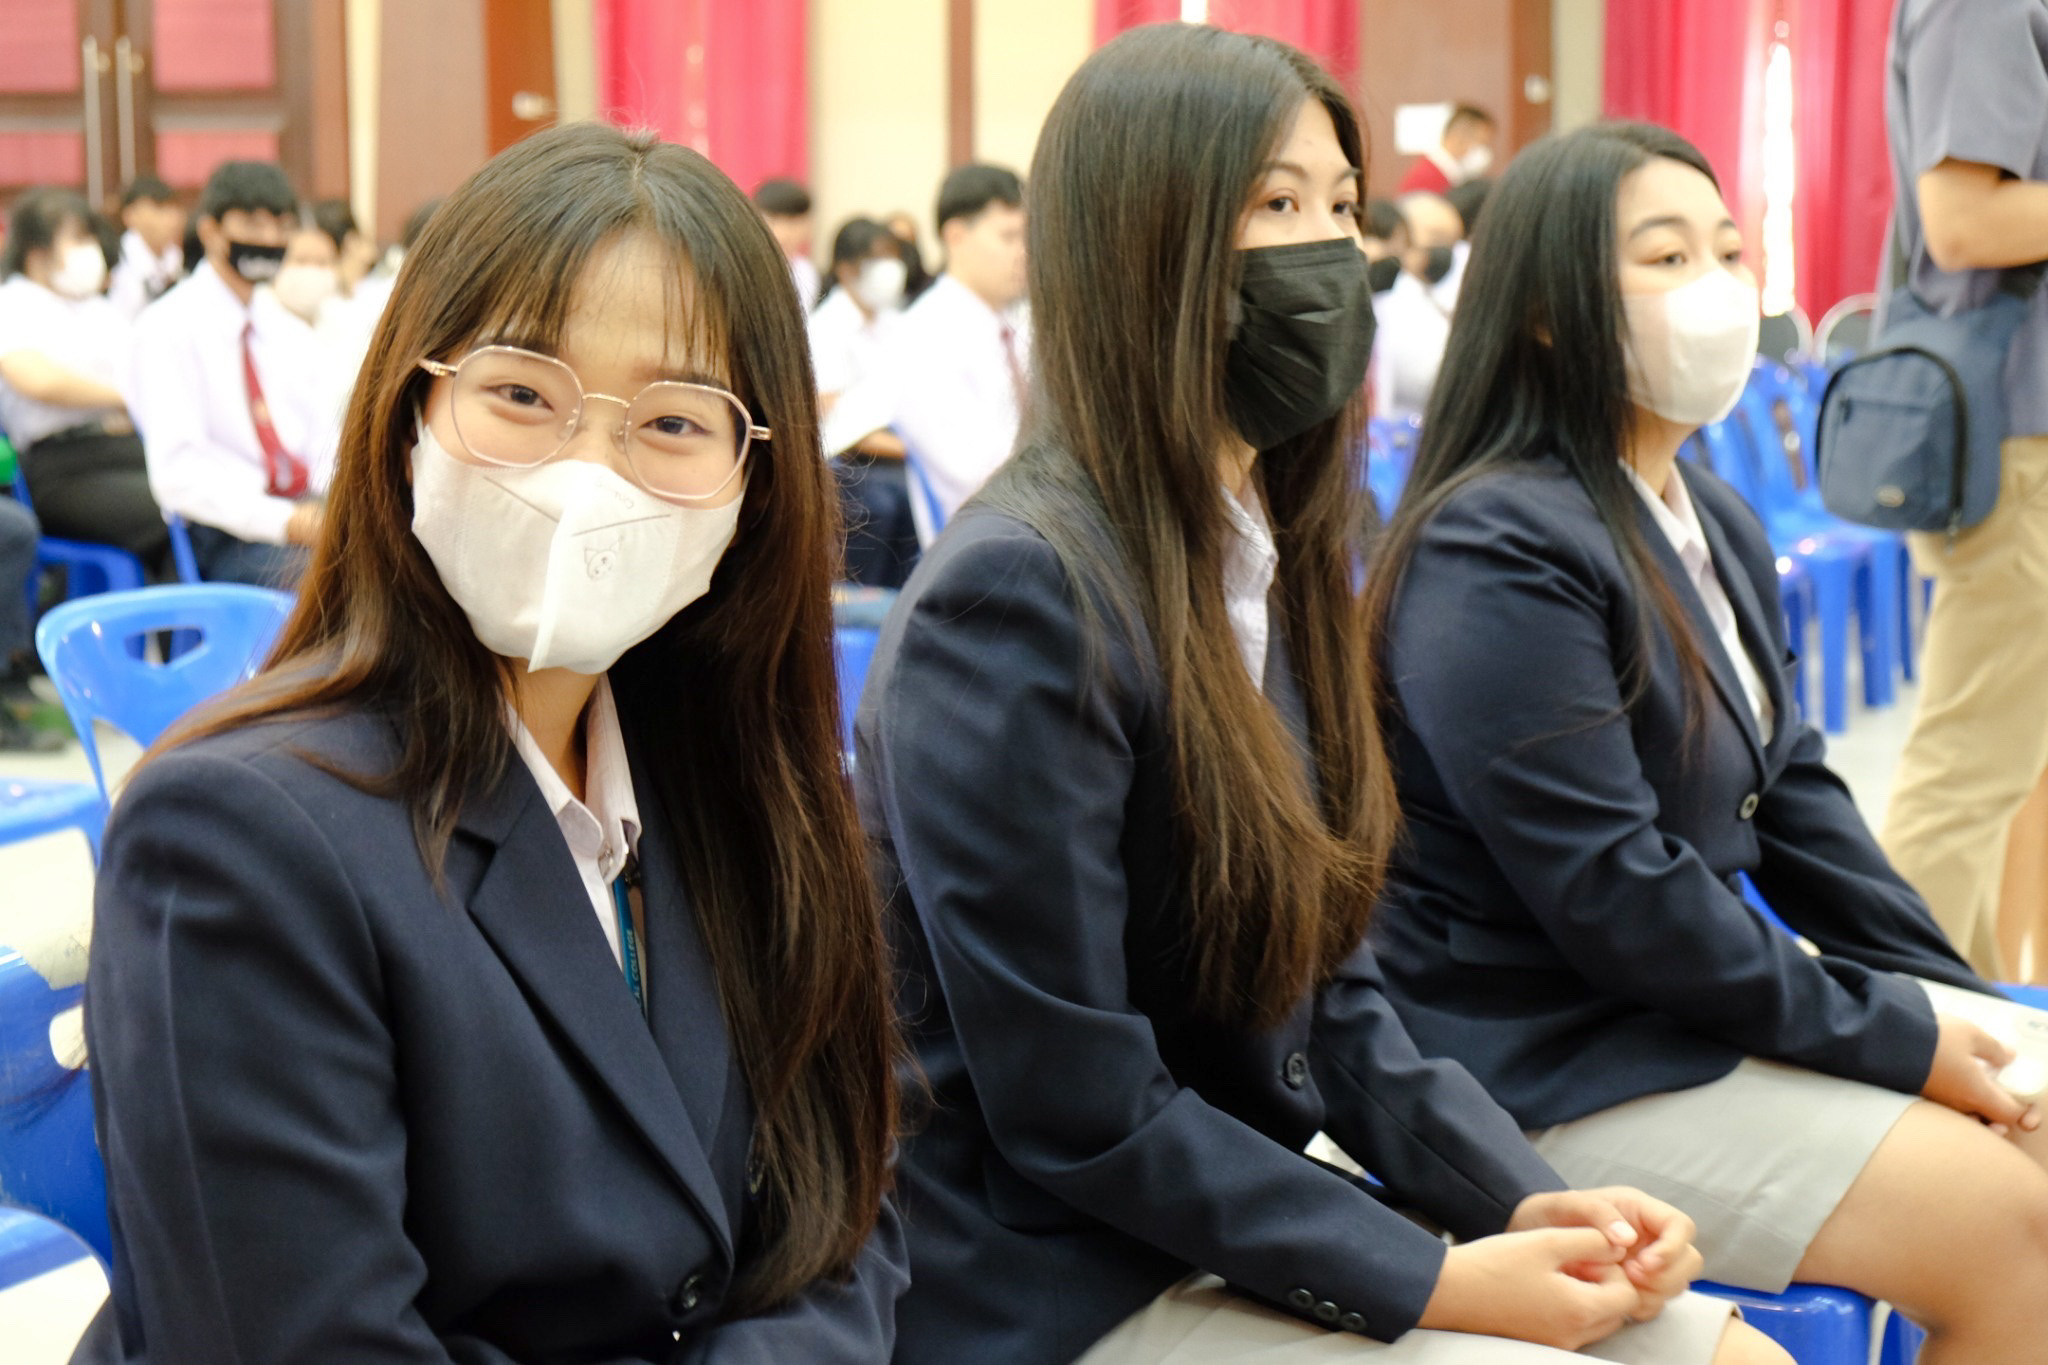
1144 170
852 244
733 703
1535 367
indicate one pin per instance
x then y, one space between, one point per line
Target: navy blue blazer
1091 1139
1563 916
348 1117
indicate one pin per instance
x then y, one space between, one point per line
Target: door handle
92 62
126 64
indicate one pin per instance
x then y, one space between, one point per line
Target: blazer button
1301 1298
1351 1322
1749 805
1295 1072
1327 1311
688 1295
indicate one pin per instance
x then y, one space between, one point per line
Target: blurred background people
1465 152
786 206
152 257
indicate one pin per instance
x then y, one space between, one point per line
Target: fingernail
1620 1231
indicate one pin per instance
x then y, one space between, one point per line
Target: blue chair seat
1820 1324
30 808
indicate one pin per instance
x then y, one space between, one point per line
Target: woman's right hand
1559 1287
1964 1077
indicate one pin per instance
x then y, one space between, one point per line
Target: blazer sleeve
1502 661
1438 1141
849 1323
249 1114
1003 784
1824 874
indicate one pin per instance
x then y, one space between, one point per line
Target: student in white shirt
63 349
849 334
310 277
152 256
785 206
962 355
356 250
227 396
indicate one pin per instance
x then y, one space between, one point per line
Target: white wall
878 111
1578 57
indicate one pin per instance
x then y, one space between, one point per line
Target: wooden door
199 82
1493 53
56 96
519 65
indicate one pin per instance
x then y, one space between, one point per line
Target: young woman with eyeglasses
496 978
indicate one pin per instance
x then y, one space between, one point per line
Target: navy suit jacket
348 1116
1564 917
1091 1138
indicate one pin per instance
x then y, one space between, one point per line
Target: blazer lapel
1719 664
530 903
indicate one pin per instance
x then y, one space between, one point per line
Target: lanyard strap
629 938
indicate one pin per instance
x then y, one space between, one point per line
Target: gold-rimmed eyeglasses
518 408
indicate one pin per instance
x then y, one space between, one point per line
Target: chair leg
1877 624
1832 593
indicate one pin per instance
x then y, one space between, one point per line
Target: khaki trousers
1979 742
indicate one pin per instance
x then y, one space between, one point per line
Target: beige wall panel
1023 54
878 112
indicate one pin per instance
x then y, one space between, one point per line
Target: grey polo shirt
1969 80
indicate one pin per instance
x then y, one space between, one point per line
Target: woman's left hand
1661 1262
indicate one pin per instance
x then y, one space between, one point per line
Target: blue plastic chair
85 649
1392 442
88 568
181 550
49 1162
1817 1324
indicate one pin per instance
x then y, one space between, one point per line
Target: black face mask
1383 272
1303 338
256 264
1440 261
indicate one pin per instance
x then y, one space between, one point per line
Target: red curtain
1697 67
731 80
1845 185
1325 29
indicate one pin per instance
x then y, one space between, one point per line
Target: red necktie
287 472
1016 369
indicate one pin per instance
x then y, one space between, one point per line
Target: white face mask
82 272
564 564
881 283
1690 351
1476 162
303 288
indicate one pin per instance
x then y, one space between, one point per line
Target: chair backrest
1785 336
181 550
49 1162
1844 329
85 648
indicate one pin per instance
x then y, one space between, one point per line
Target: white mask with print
81 272
881 282
563 564
1690 350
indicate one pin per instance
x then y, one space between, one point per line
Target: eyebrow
687 375
1671 220
1295 169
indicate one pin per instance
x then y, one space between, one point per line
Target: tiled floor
41 1320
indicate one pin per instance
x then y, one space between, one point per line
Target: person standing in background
786 206
151 258
959 365
227 398
1967 110
1466 151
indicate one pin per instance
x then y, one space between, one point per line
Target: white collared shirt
603 829
190 400
1414 320
85 336
1250 560
956 402
1679 520
849 356
140 276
